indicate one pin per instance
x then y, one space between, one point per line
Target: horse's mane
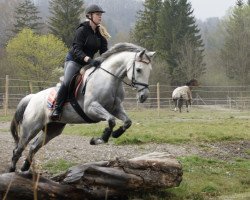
120 47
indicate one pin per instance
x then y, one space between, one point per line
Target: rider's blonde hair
104 32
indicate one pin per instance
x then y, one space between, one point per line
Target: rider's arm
78 44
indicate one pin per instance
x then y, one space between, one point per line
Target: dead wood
99 180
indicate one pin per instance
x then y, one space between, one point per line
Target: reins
115 76
133 81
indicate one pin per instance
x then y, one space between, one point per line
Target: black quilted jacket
86 43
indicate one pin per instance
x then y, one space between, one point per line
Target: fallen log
99 180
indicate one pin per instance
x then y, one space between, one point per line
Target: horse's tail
18 117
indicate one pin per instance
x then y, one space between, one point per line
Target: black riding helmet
93 8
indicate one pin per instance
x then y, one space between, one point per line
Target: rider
87 41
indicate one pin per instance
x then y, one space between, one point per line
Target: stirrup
56 115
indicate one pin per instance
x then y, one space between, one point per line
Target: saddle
74 87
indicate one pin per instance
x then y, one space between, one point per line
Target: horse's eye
138 70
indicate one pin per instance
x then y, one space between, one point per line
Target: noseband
134 82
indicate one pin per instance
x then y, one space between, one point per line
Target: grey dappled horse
102 101
183 95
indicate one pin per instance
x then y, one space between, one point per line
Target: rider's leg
61 96
70 70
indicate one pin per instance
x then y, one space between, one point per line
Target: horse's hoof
12 169
92 141
96 141
25 166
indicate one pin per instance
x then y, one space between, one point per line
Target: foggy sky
211 8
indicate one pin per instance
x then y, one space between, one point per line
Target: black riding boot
60 99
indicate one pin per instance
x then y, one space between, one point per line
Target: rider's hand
95 63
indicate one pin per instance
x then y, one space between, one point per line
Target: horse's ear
150 54
141 53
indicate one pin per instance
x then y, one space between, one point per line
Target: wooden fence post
31 87
158 98
6 96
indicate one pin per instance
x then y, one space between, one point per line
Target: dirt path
78 150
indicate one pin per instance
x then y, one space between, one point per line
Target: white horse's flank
102 101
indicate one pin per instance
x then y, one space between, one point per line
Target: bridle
134 82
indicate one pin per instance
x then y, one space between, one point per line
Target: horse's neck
190 87
117 64
114 69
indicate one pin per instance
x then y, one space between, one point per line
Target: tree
26 16
235 53
190 62
239 3
177 28
36 57
65 17
6 20
145 29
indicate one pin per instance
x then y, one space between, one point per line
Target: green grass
247 151
203 178
208 179
4 118
169 127
57 166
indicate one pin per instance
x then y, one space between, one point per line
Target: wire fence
232 97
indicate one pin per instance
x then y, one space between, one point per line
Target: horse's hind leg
27 136
180 103
187 102
49 132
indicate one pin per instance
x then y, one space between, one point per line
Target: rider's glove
95 63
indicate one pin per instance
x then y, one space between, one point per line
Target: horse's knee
17 152
111 123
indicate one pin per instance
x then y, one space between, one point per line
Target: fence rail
232 97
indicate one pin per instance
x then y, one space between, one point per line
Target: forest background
35 36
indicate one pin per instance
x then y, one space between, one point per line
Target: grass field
173 127
203 178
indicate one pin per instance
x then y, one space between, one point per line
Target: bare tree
6 19
190 64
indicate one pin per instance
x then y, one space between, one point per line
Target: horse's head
139 73
192 83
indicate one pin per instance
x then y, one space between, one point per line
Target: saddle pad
53 93
52 98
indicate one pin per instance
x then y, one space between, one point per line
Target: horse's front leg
96 111
188 103
121 114
175 104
